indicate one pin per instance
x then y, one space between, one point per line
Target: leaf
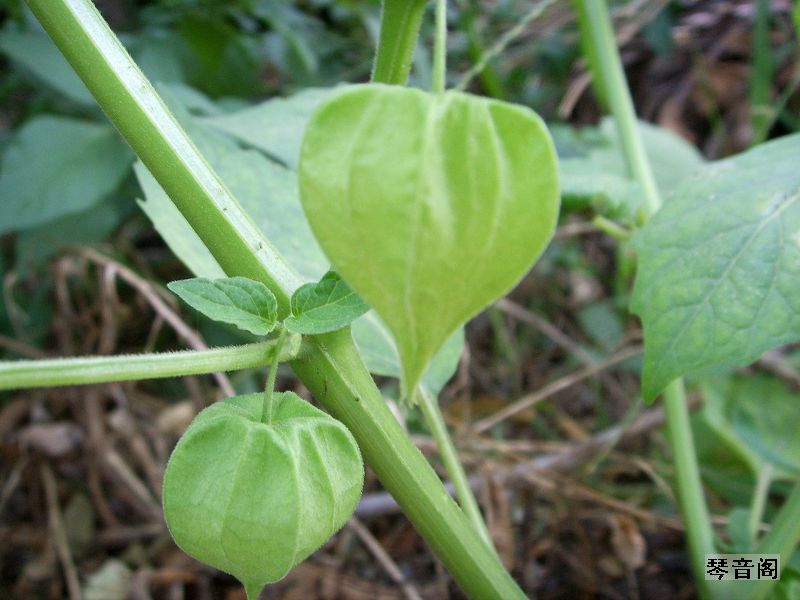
757 417
255 498
37 53
719 266
219 59
239 301
44 174
324 307
594 173
275 126
430 206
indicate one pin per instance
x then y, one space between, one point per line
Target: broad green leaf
255 498
757 417
719 266
275 126
324 306
430 206
36 52
44 175
239 301
593 170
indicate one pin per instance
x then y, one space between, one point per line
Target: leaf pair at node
317 308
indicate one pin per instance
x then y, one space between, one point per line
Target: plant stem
761 75
782 538
759 501
611 228
101 369
440 49
687 480
400 23
609 75
266 409
332 368
447 450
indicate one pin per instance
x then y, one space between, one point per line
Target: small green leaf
430 206
253 498
44 175
719 266
239 301
324 307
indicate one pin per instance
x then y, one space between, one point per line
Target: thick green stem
447 450
332 368
598 38
102 369
400 23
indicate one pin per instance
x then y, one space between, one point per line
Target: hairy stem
102 369
266 409
332 368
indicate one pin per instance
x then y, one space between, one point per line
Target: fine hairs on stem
266 412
